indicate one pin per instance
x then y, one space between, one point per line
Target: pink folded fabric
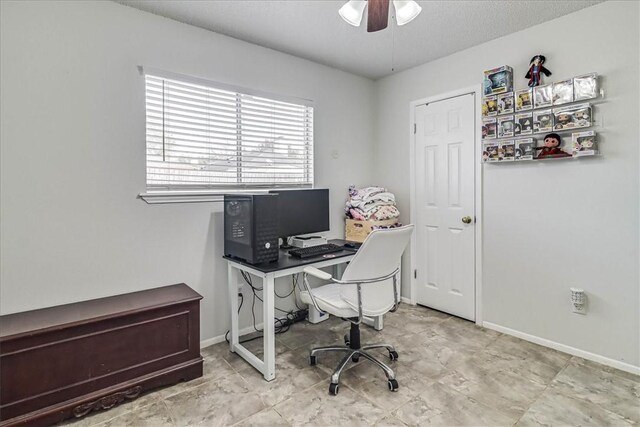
357 214
371 203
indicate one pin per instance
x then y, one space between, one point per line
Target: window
208 137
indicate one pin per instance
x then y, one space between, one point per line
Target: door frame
477 91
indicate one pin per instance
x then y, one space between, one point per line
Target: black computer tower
251 227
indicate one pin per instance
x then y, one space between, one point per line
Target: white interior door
445 205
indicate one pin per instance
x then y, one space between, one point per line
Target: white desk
285 266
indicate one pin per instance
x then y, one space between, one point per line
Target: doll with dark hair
536 68
551 147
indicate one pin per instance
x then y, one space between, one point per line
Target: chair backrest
379 256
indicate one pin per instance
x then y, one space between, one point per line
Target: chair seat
329 300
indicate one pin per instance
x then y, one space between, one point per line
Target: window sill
203 196
162 197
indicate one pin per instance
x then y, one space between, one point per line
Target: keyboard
315 251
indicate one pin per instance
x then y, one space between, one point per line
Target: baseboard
220 338
406 300
565 348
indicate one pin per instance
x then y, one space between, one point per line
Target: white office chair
363 290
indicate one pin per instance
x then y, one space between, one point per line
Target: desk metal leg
268 309
267 369
338 269
233 304
268 365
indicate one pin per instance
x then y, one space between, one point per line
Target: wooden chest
69 360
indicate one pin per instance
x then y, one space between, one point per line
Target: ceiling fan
378 13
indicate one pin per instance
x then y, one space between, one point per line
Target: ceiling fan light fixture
352 12
406 11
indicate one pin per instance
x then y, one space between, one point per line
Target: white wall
550 225
73 152
72 162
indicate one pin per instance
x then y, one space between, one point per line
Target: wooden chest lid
63 316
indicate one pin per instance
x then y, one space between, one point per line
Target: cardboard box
357 231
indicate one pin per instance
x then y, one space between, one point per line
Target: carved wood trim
107 402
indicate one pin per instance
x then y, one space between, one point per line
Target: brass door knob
466 219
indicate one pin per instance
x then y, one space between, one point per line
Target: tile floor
451 373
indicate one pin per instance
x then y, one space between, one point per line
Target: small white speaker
315 316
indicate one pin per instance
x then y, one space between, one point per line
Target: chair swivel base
354 355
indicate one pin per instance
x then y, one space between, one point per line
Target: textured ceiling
312 29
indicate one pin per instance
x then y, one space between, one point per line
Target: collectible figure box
524 100
506 151
505 126
563 92
524 149
505 103
584 144
585 87
542 121
489 106
489 128
490 151
523 124
572 117
542 96
498 80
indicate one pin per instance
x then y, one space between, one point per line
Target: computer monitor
302 211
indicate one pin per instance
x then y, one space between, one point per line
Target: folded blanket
356 214
374 206
363 193
371 203
378 198
381 213
384 213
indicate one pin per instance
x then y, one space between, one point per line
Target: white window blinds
200 136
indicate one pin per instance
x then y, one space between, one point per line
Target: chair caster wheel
333 389
393 355
393 385
346 340
355 358
313 361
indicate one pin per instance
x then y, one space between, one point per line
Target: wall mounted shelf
593 101
500 162
575 112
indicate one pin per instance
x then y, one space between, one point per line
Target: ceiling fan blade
378 15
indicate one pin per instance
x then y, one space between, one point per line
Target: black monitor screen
302 211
